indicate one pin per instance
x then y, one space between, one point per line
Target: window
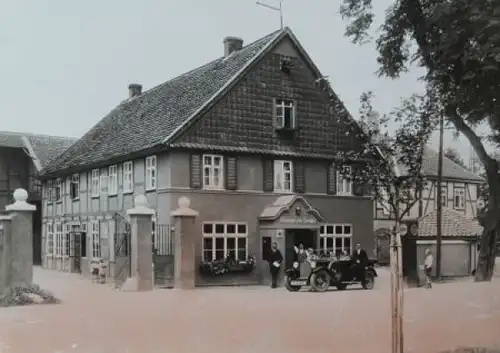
58 190
384 202
95 241
128 177
225 239
104 181
444 194
49 243
59 239
74 186
65 241
285 114
151 173
336 238
83 229
212 171
459 198
283 176
95 183
113 180
344 185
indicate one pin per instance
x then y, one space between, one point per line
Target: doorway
307 237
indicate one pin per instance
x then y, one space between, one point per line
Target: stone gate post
185 244
20 241
141 276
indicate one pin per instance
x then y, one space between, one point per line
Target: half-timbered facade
248 138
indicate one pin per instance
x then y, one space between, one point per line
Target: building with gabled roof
234 136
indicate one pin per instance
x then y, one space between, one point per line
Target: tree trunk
396 289
488 243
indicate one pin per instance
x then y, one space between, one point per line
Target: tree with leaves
458 44
452 153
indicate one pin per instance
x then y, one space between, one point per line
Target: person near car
275 259
301 254
428 263
360 259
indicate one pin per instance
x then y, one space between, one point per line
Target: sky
65 64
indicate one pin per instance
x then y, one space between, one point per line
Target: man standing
429 260
360 259
275 259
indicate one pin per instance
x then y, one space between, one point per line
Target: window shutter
299 177
231 169
196 176
104 239
268 169
331 187
276 124
357 185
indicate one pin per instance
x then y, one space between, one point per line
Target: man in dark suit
275 258
360 260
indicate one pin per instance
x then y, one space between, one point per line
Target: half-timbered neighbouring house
247 137
22 156
459 197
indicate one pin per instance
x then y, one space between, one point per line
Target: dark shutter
195 168
357 185
331 179
231 173
268 177
299 177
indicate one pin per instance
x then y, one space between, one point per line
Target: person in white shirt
428 263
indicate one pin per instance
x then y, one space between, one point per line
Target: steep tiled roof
450 169
42 148
47 148
146 121
453 224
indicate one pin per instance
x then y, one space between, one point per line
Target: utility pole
279 8
439 193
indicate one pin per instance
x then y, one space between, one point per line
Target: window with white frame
344 185
95 183
221 239
49 242
459 198
113 180
283 176
128 177
213 171
103 179
74 187
151 173
95 240
384 202
336 238
444 194
285 114
59 239
58 190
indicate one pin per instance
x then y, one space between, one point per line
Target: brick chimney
134 89
232 44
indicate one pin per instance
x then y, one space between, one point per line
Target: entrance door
76 249
294 237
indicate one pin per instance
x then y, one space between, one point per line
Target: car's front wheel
369 280
320 281
289 287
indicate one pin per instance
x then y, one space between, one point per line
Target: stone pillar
141 276
186 238
20 241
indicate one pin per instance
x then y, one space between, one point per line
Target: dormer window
284 114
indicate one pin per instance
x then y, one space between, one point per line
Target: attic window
285 114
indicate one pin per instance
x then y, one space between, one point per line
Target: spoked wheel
289 287
369 281
320 281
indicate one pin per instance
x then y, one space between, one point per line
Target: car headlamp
295 264
313 264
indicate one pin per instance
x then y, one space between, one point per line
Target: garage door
455 257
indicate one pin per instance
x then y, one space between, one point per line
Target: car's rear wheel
289 287
369 280
320 281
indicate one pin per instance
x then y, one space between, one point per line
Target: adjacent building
22 156
247 137
460 228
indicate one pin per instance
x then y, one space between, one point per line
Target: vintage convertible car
324 273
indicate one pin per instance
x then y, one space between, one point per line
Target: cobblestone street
95 318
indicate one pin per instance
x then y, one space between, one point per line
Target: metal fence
163 240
